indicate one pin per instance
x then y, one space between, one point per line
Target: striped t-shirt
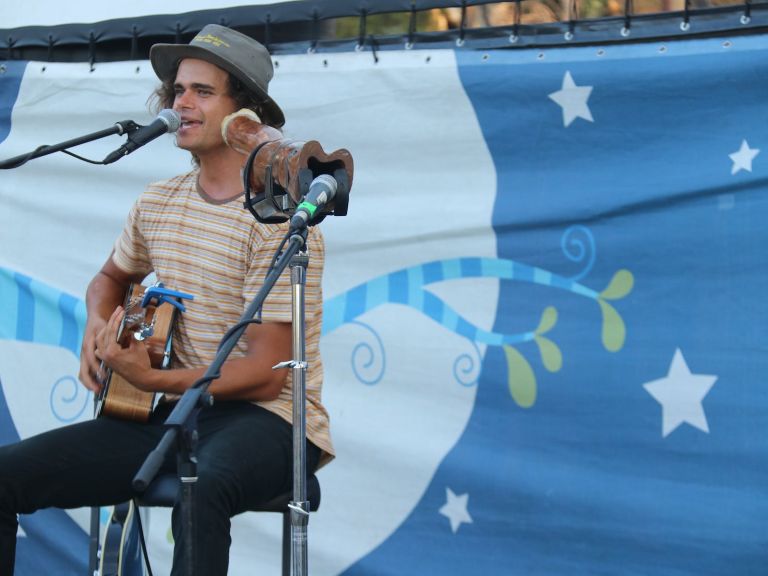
217 251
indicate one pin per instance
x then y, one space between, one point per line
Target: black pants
244 458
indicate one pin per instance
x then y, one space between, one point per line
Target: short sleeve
130 250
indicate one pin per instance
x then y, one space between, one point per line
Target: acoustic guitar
150 313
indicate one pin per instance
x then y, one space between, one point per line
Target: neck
220 174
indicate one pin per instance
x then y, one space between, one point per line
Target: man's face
203 100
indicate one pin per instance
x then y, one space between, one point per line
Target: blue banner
627 437
544 314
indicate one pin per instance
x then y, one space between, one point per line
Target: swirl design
369 361
466 367
578 245
68 399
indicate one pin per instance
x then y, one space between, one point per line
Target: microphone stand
123 127
299 506
182 421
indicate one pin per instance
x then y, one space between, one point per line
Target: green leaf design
620 285
548 320
522 381
550 354
614 330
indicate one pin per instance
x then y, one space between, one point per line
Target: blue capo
159 294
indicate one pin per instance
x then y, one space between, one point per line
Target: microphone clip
126 127
275 204
278 173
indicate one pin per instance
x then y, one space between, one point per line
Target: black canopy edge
300 26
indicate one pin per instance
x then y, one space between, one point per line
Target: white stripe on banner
423 191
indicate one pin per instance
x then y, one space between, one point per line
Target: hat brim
165 59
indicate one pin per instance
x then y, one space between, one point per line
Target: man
194 234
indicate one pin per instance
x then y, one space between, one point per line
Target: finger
88 380
113 325
108 334
90 362
117 313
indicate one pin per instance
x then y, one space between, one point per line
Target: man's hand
105 292
131 361
89 363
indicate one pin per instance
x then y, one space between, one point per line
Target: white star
455 509
742 159
573 100
680 395
20 532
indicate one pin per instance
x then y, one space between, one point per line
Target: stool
163 489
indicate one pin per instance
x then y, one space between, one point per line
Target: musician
194 234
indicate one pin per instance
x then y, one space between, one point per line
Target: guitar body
124 401
118 397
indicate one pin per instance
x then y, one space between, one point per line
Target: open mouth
187 124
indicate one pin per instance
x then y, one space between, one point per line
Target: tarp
544 337
44 13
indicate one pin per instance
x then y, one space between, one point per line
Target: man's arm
105 293
247 378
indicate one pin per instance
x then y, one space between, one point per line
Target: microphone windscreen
171 119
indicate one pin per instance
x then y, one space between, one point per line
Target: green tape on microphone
311 208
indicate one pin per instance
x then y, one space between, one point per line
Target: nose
181 100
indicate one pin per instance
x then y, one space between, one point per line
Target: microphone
322 190
167 121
